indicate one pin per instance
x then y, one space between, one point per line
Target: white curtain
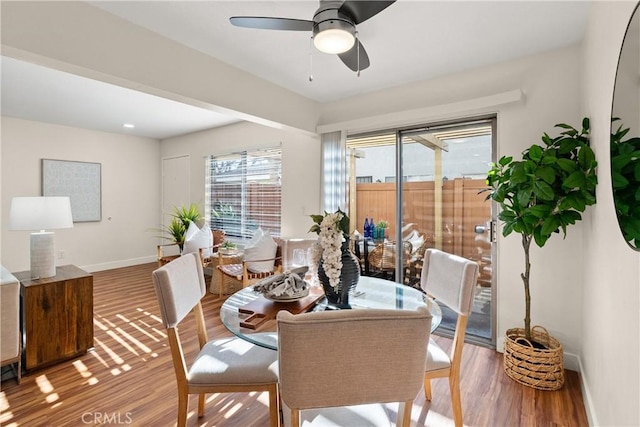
334 172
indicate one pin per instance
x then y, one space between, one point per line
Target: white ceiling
409 41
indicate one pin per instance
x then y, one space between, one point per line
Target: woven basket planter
542 369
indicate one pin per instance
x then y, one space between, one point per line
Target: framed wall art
81 181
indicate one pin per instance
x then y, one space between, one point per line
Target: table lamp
41 213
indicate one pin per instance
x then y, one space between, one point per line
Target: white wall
130 196
610 349
551 88
300 166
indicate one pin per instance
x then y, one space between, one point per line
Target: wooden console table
57 315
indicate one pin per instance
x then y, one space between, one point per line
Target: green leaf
567 165
567 145
518 174
505 160
586 157
569 217
585 125
523 197
540 211
564 126
575 180
535 153
549 225
543 190
575 201
620 161
540 239
618 180
547 174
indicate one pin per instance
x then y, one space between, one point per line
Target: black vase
349 276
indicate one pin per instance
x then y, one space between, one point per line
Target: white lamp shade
40 213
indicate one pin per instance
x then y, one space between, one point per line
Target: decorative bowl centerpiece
286 287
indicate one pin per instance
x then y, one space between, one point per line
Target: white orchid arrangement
332 230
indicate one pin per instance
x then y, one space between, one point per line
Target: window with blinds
243 192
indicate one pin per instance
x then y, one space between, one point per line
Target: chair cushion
196 238
233 361
261 246
370 415
437 358
416 241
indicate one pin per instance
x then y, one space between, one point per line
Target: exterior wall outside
610 347
130 196
300 166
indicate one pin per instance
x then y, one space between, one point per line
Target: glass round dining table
370 292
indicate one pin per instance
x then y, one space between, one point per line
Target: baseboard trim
586 397
118 264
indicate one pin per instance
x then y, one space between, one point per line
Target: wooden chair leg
427 388
201 405
404 414
183 404
274 406
295 418
456 403
220 283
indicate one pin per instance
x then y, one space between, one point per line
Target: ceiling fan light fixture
334 37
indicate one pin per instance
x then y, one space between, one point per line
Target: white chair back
450 279
179 286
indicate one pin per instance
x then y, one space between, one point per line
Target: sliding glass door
436 204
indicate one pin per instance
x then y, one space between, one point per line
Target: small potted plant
228 247
381 229
180 219
541 195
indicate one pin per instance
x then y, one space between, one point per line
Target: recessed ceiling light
128 126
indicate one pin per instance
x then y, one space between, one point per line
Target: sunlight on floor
263 398
235 408
117 359
5 414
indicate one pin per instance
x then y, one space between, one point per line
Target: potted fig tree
540 195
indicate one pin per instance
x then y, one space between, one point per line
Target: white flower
329 247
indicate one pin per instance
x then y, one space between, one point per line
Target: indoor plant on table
338 268
540 195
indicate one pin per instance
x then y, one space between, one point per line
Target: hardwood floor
128 378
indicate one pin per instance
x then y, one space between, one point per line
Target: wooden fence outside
463 208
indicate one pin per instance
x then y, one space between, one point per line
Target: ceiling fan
333 27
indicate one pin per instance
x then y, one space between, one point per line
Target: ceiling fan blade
350 57
267 23
361 10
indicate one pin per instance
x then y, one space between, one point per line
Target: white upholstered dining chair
451 280
341 358
222 366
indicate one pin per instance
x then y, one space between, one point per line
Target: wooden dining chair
382 259
342 358
218 239
451 280
222 366
241 271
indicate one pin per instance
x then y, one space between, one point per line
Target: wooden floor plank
128 377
